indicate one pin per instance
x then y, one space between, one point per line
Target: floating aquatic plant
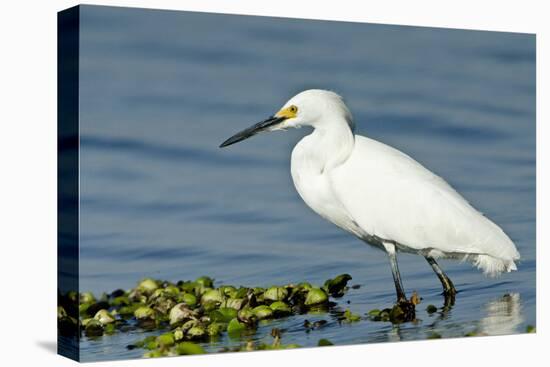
192 312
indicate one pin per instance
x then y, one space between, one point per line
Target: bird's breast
314 186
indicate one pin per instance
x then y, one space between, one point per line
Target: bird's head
314 107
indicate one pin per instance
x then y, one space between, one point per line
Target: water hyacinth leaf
137 296
179 313
144 312
336 286
156 294
258 291
178 334
351 317
171 290
280 308
87 297
93 328
142 343
235 303
210 305
151 345
147 286
324 343
228 290
188 325
189 299
104 317
275 294
235 328
128 311
246 315
227 314
188 348
262 312
166 340
154 354
212 295
83 308
163 305
375 312
241 292
92 309
85 322
121 301
196 332
216 328
315 296
219 310
188 287
215 316
205 281
109 329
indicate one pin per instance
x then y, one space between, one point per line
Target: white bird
381 195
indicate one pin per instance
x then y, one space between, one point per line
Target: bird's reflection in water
504 316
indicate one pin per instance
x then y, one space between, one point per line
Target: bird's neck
333 144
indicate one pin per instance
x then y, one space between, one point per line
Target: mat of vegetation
191 312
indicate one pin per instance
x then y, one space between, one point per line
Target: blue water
161 90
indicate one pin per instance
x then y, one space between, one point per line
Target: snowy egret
381 195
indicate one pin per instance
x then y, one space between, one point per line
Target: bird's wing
392 196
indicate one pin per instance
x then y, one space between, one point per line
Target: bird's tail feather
491 266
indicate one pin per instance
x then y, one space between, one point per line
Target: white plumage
380 194
379 191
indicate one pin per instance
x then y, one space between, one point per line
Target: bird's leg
449 290
390 249
404 307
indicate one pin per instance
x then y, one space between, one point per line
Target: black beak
252 130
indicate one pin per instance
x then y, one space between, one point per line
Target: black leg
401 297
449 289
404 310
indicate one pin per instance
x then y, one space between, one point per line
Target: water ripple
428 125
183 153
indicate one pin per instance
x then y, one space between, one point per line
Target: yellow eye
288 112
